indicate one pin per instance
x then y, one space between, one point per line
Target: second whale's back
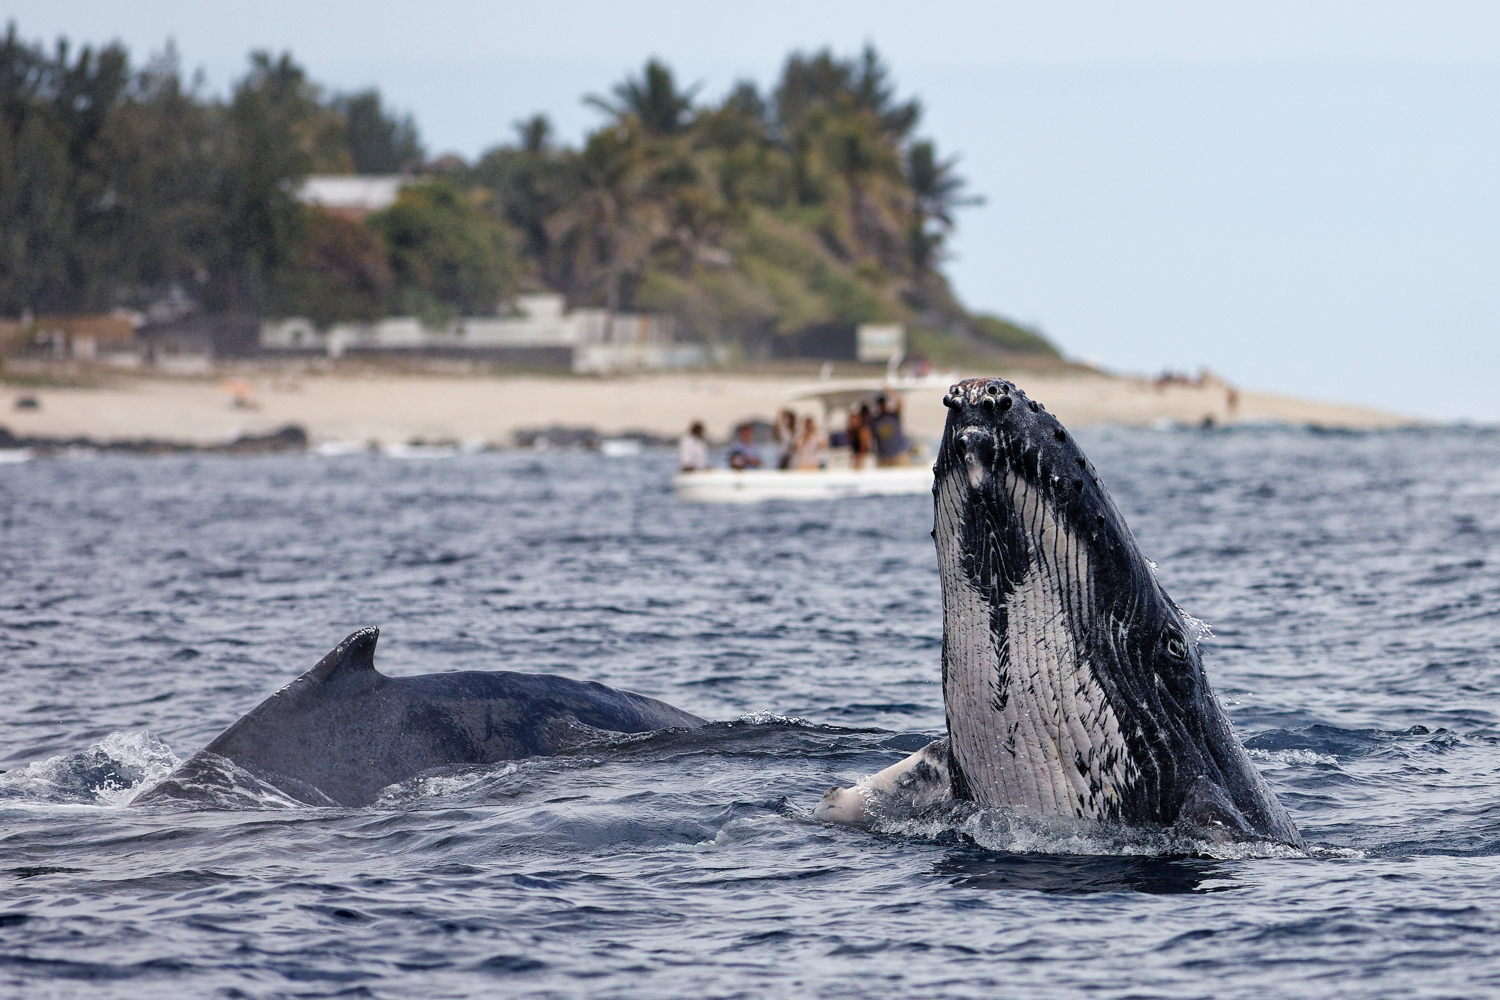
343 731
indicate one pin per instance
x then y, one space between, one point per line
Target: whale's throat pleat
1029 722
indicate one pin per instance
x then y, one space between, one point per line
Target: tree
652 99
938 191
449 256
823 82
604 229
279 132
528 187
344 272
166 148
61 247
377 140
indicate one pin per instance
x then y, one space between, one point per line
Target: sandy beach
392 408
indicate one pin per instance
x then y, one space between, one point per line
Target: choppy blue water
1352 582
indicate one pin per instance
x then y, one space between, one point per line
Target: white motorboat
839 478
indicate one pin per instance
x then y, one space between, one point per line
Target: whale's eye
1175 643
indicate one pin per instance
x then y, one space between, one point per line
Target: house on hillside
187 344
352 196
543 333
192 343
103 338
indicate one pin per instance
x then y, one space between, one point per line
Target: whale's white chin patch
1030 725
978 474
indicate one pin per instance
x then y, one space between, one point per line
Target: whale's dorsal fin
350 659
355 655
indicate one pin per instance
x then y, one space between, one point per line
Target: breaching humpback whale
343 731
1071 683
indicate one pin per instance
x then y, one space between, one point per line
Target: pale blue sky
1303 196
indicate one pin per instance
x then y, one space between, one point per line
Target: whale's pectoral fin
1208 806
907 786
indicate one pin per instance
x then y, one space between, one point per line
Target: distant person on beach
809 451
890 442
692 449
742 453
859 435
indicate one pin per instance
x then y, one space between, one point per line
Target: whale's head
1073 683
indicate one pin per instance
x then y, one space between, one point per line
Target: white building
352 196
543 333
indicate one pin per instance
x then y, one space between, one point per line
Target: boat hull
753 485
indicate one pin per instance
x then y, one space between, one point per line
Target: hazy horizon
1300 199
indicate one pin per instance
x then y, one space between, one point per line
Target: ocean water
1351 581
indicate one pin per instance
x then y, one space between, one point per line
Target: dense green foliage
448 254
749 219
118 184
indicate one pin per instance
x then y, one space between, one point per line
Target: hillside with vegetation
756 220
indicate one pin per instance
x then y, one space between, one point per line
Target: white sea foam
1299 757
772 719
109 772
441 786
1004 830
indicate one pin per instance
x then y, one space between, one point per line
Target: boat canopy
852 392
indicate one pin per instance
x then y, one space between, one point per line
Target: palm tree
652 99
936 189
606 226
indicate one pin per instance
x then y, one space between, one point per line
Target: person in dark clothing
885 428
786 437
860 440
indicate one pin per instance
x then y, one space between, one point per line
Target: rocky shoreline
288 438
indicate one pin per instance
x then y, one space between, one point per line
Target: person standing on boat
809 451
742 453
786 437
692 449
860 439
890 442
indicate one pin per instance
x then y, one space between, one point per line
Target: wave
109 773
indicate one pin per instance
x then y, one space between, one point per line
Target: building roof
119 327
352 192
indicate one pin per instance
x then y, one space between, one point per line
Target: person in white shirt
692 449
810 451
